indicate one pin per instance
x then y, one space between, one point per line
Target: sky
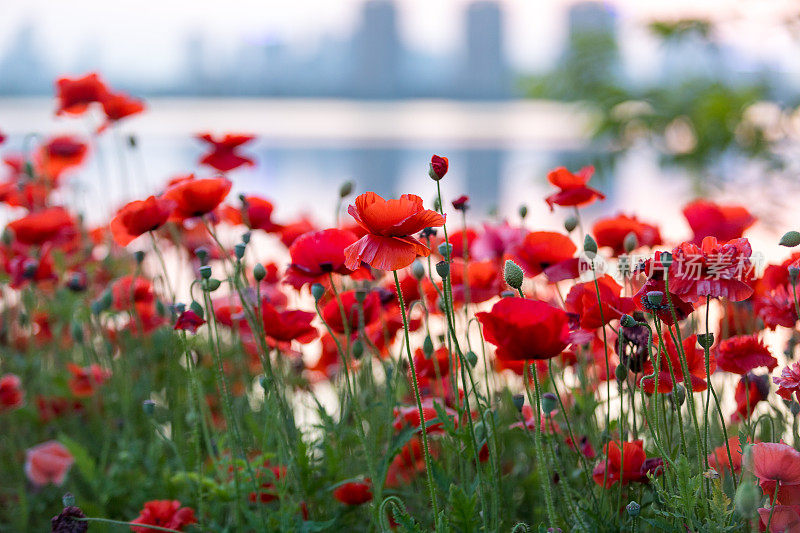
145 36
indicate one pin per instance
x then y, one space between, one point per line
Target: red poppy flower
197 197
409 415
75 95
776 308
23 269
139 217
781 519
255 213
714 269
84 381
53 407
223 156
459 240
163 513
541 250
484 281
523 329
118 106
389 244
439 166
695 361
42 226
583 300
775 461
744 353
60 154
317 254
189 321
750 390
354 492
407 464
613 230
788 382
718 459
709 219
573 190
461 203
370 309
546 423
128 291
626 465
439 362
11 394
284 327
268 491
2 137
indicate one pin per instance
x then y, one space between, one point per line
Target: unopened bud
679 394
239 250
570 223
472 358
149 407
427 347
317 291
358 349
523 211
138 255
631 242
519 402
259 272
790 239
589 244
77 332
438 167
705 340
345 189
621 373
212 284
747 499
443 269
417 270
549 402
197 308
513 274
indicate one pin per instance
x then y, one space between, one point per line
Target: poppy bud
621 373
655 298
202 254
138 255
519 402
705 340
427 347
212 284
161 309
445 249
523 211
438 167
679 394
239 250
7 236
259 272
317 291
76 330
107 299
549 402
358 349
246 237
461 203
149 407
570 223
443 269
472 358
205 271
437 205
633 509
513 274
747 499
589 244
794 408
508 294
132 142
264 382
197 308
345 189
794 273
417 269
631 242
627 321
790 239
77 282
666 259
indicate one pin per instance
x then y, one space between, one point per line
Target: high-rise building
485 73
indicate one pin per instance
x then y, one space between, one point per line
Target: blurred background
669 99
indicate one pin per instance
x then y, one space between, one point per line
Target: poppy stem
674 383
415 384
130 524
544 472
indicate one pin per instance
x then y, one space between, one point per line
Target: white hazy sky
146 35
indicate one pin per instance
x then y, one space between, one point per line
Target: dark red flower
255 213
439 362
286 326
709 219
118 106
189 321
750 390
354 492
715 269
626 465
223 156
788 382
139 217
128 291
484 281
75 95
613 230
541 250
695 362
523 329
163 513
409 416
391 224
461 203
317 254
84 381
718 458
583 300
496 241
42 226
11 394
573 190
776 308
370 309
197 197
439 166
655 271
743 354
461 241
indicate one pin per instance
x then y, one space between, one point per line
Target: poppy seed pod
205 272
549 402
627 321
239 250
246 237
655 298
519 401
443 269
138 255
445 249
633 509
790 239
589 244
438 167
346 189
259 272
513 274
705 340
666 259
570 223
201 252
317 290
418 270
631 242
508 294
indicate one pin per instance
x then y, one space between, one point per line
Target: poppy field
197 363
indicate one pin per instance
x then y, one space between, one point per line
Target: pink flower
47 462
788 382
